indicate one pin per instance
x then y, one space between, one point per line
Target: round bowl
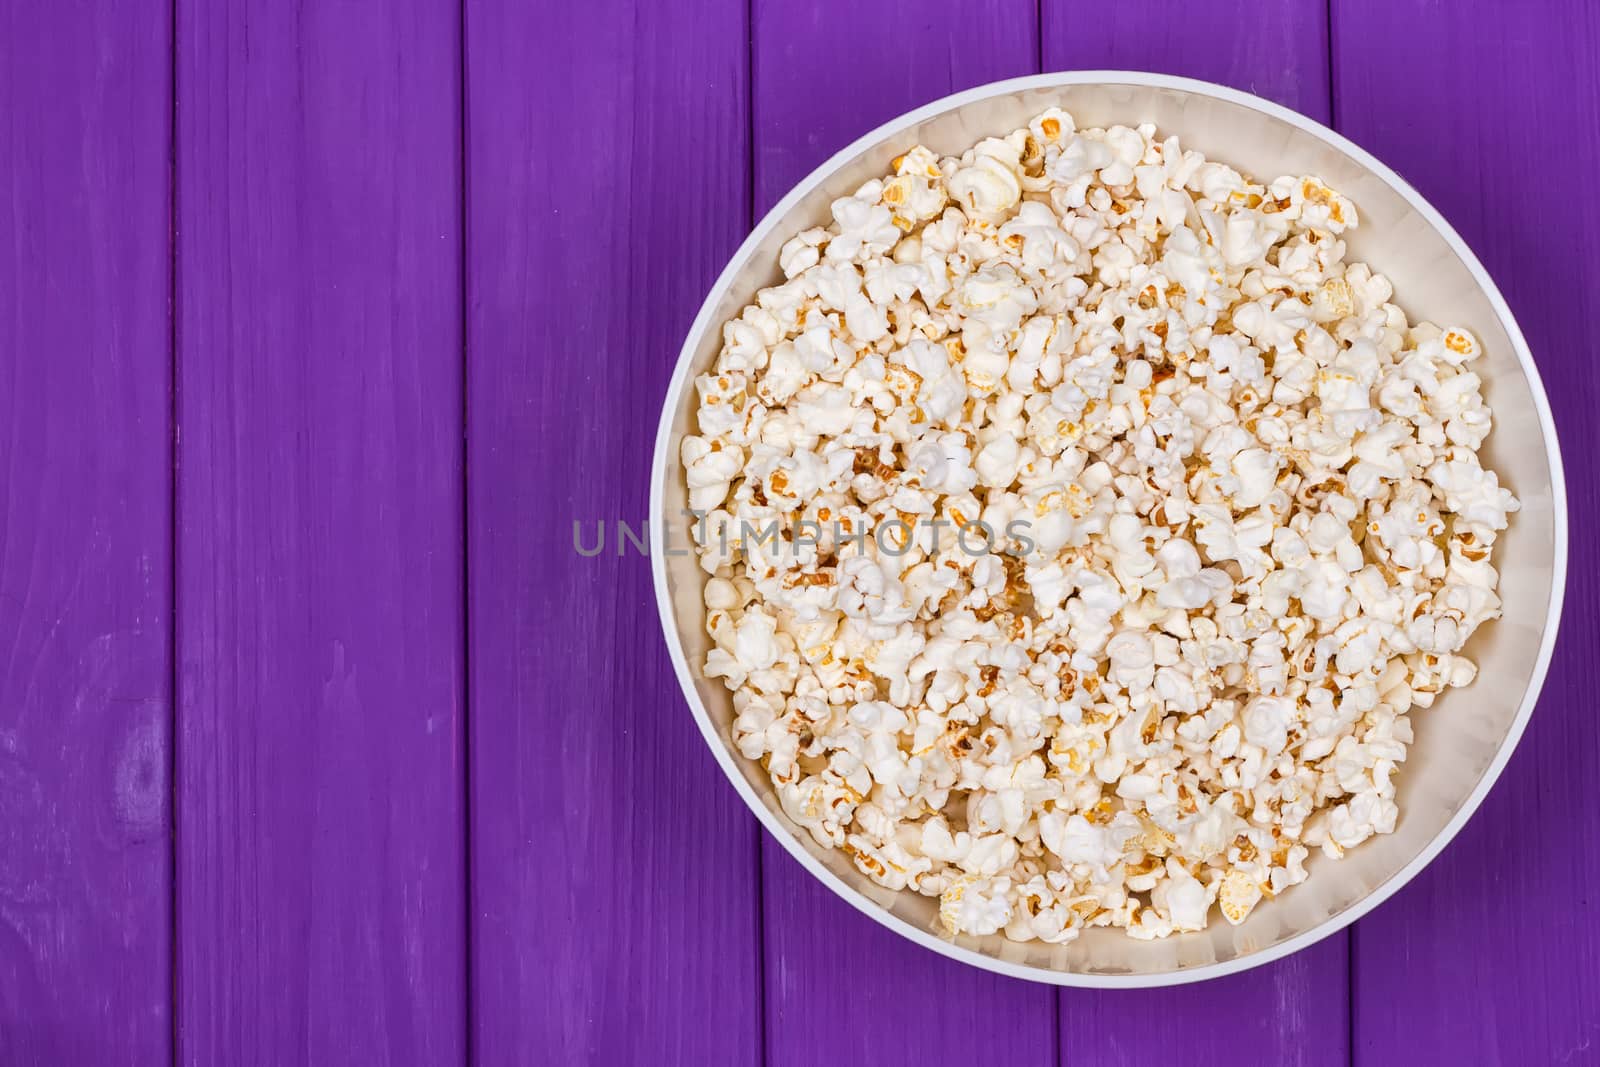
1462 742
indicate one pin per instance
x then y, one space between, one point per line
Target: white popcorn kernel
802 251
1080 157
975 906
989 185
710 468
1076 840
1052 126
865 227
917 192
997 462
1035 233
1237 897
1266 723
1459 346
1183 898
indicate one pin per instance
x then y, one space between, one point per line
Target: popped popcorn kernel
1237 896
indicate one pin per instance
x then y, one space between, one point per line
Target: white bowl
1461 743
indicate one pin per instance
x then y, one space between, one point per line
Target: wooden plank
820 83
818 86
1490 111
1294 1011
614 908
321 859
1277 50
85 535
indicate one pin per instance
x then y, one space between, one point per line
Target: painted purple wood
614 878
623 907
819 86
1295 1011
837 983
85 535
1491 111
320 751
1278 50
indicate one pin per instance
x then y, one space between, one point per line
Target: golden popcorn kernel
867 462
1148 865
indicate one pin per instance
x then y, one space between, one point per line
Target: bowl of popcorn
1083 538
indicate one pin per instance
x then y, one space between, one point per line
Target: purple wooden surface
837 983
614 905
334 604
85 535
1295 1011
1490 956
1278 50
320 751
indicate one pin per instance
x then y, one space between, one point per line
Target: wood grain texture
1278 50
1493 113
320 826
623 907
614 875
1295 1011
837 983
821 80
85 535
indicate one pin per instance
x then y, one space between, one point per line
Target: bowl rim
718 744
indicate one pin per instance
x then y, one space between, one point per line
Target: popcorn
975 906
1081 530
1237 895
986 183
710 468
865 226
802 251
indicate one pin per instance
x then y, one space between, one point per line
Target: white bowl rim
719 746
